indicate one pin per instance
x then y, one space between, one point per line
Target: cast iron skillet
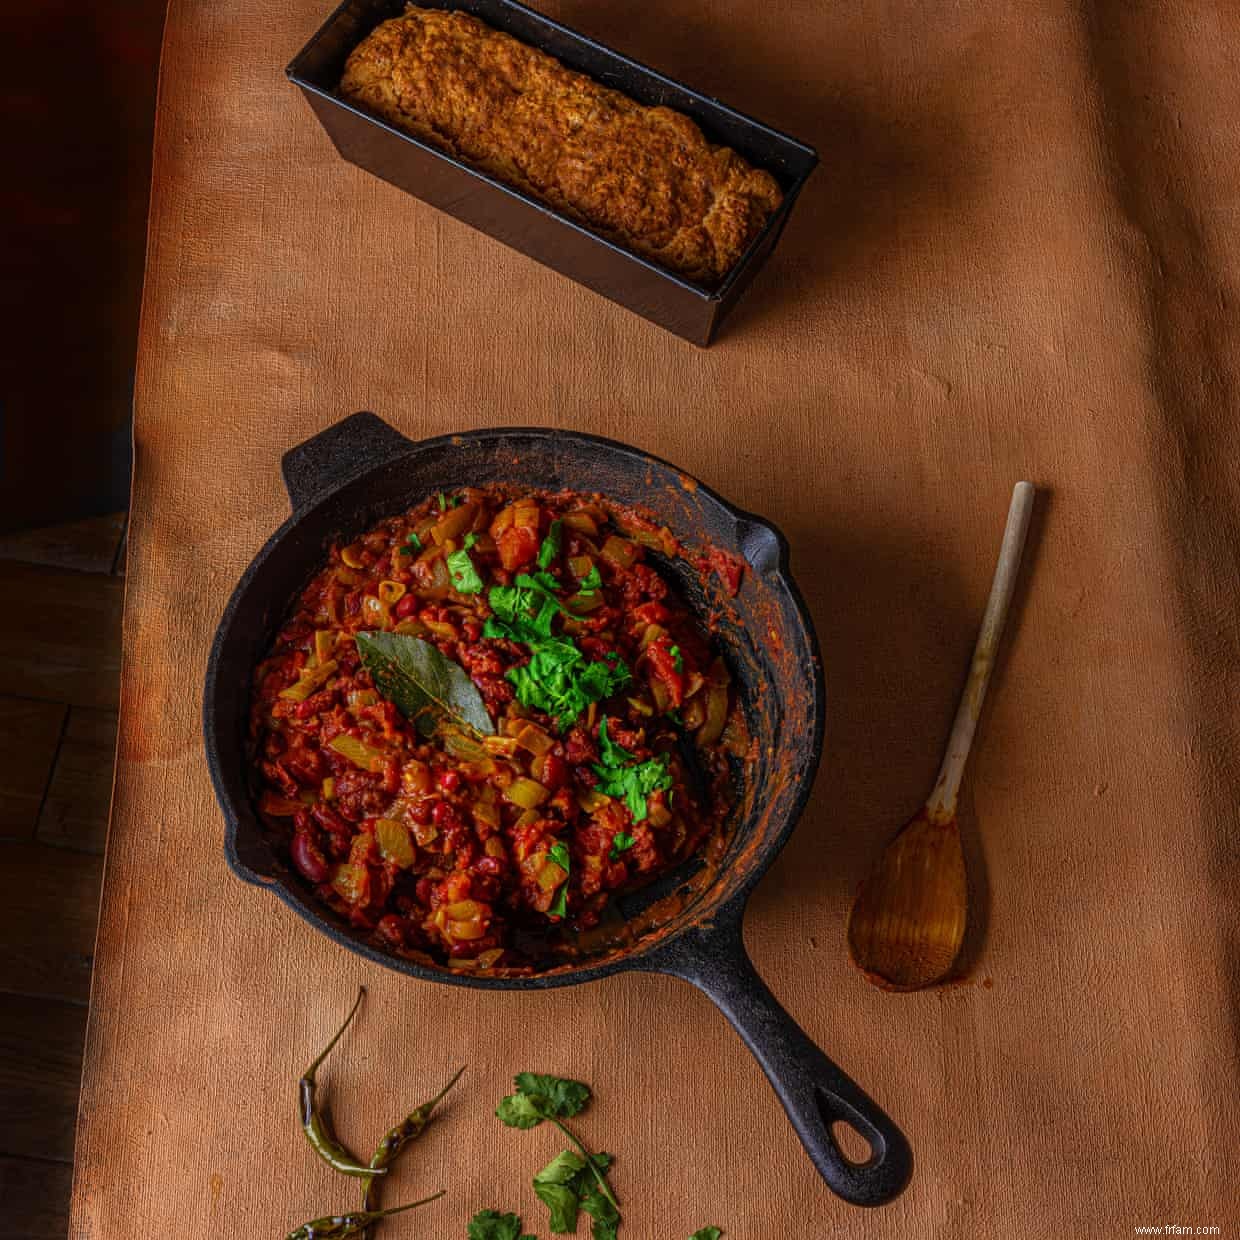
360 470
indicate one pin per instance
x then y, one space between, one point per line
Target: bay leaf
425 686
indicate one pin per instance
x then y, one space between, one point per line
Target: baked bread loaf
643 177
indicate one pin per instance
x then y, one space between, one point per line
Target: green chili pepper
336 1226
314 1124
409 1129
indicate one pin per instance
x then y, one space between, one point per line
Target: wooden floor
59 674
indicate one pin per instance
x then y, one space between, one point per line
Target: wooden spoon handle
942 802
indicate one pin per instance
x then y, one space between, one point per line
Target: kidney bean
447 817
309 861
391 929
406 607
554 772
449 780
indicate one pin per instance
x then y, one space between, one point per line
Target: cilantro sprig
622 776
553 1099
565 1186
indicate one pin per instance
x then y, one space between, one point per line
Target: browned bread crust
643 177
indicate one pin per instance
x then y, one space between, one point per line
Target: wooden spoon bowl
909 917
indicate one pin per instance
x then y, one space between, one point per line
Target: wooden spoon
908 920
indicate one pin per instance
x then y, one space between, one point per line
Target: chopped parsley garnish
464 575
621 842
558 680
443 502
406 550
622 776
677 658
414 541
523 611
591 583
551 545
558 852
470 539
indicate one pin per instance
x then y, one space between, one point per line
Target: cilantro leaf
443 502
622 841
562 1202
463 573
613 754
562 1169
622 776
519 1111
605 1217
492 1225
678 659
414 541
555 1096
470 539
591 583
706 1233
566 1184
558 852
551 545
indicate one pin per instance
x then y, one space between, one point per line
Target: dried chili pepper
314 1124
409 1129
337 1226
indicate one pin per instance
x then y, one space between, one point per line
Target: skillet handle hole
852 1145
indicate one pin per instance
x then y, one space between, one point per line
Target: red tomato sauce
447 847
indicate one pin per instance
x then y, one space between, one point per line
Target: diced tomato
518 545
651 613
663 667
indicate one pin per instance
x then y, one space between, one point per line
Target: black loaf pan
690 310
360 470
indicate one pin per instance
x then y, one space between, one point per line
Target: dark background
78 96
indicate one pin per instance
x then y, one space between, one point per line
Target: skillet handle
334 456
815 1093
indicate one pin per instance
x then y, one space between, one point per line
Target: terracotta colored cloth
1019 259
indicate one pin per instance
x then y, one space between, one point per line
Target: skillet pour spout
353 473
